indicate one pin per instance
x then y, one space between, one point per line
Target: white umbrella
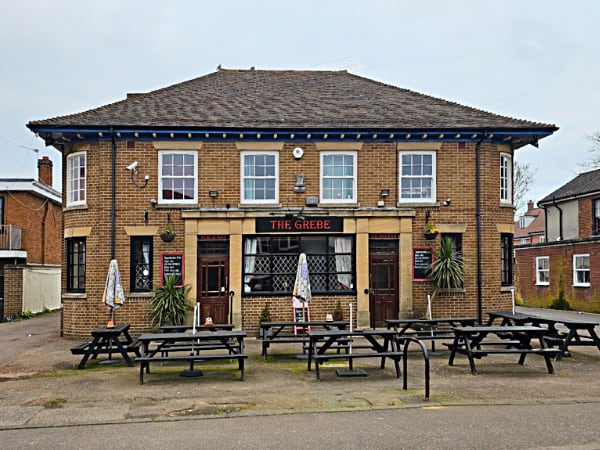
302 293
113 296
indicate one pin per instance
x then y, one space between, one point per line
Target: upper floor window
76 179
178 177
260 172
542 270
581 270
417 176
141 264
338 177
596 225
76 258
505 178
506 259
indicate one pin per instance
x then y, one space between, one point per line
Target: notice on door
422 259
172 264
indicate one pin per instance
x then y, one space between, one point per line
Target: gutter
560 219
113 206
479 233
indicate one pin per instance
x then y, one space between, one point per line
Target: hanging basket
167 235
430 235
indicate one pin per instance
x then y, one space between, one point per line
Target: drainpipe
478 216
560 219
113 195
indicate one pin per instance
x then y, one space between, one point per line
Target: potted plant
167 235
169 304
430 231
265 316
446 272
338 315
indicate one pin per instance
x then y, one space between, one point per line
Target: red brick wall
561 264
13 291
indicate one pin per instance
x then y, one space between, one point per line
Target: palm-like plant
447 269
169 304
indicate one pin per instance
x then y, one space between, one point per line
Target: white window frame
75 180
352 177
243 178
506 181
432 196
577 271
540 271
161 177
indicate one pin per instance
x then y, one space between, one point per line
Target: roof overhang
58 136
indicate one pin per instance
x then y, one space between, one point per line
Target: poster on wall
422 259
172 264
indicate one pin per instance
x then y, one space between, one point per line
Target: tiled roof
537 226
287 99
583 184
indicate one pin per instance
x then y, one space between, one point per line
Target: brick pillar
45 171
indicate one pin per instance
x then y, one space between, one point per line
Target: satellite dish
298 152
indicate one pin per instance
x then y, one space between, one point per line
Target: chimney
529 205
45 171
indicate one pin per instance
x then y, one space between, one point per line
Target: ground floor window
141 263
271 262
76 264
581 270
506 259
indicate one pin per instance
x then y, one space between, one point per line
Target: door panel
213 288
383 289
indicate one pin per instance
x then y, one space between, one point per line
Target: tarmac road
45 402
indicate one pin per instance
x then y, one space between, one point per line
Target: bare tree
524 176
594 160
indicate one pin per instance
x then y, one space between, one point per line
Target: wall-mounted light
153 202
213 193
300 215
133 169
447 202
384 193
299 187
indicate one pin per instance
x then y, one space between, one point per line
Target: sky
536 60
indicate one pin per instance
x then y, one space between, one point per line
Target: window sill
506 288
584 285
75 295
542 284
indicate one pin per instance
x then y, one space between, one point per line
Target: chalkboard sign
422 259
172 264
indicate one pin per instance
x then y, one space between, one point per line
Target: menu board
422 259
172 264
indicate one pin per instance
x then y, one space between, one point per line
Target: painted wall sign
172 264
422 259
293 224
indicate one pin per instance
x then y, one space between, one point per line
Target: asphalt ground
40 385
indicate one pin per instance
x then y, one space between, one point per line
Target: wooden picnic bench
107 341
429 329
475 343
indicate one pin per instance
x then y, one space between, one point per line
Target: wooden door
383 289
213 288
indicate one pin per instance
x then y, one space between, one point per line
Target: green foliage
338 314
561 301
169 304
447 269
265 314
27 315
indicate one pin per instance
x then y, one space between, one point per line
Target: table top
305 324
117 329
334 333
430 321
214 327
203 335
539 319
499 329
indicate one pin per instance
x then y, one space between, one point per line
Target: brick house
30 243
531 226
571 251
250 168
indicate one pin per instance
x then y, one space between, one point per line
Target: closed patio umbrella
302 293
113 296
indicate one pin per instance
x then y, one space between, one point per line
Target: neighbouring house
531 226
30 243
569 257
247 169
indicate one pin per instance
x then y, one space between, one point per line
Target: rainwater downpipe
113 206
478 213
560 219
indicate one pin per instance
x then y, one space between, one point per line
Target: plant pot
429 235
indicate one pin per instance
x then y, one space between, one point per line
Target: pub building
225 179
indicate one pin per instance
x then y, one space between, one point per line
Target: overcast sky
536 59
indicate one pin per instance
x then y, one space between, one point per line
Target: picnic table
579 332
293 332
377 343
105 340
429 329
205 345
479 341
183 328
